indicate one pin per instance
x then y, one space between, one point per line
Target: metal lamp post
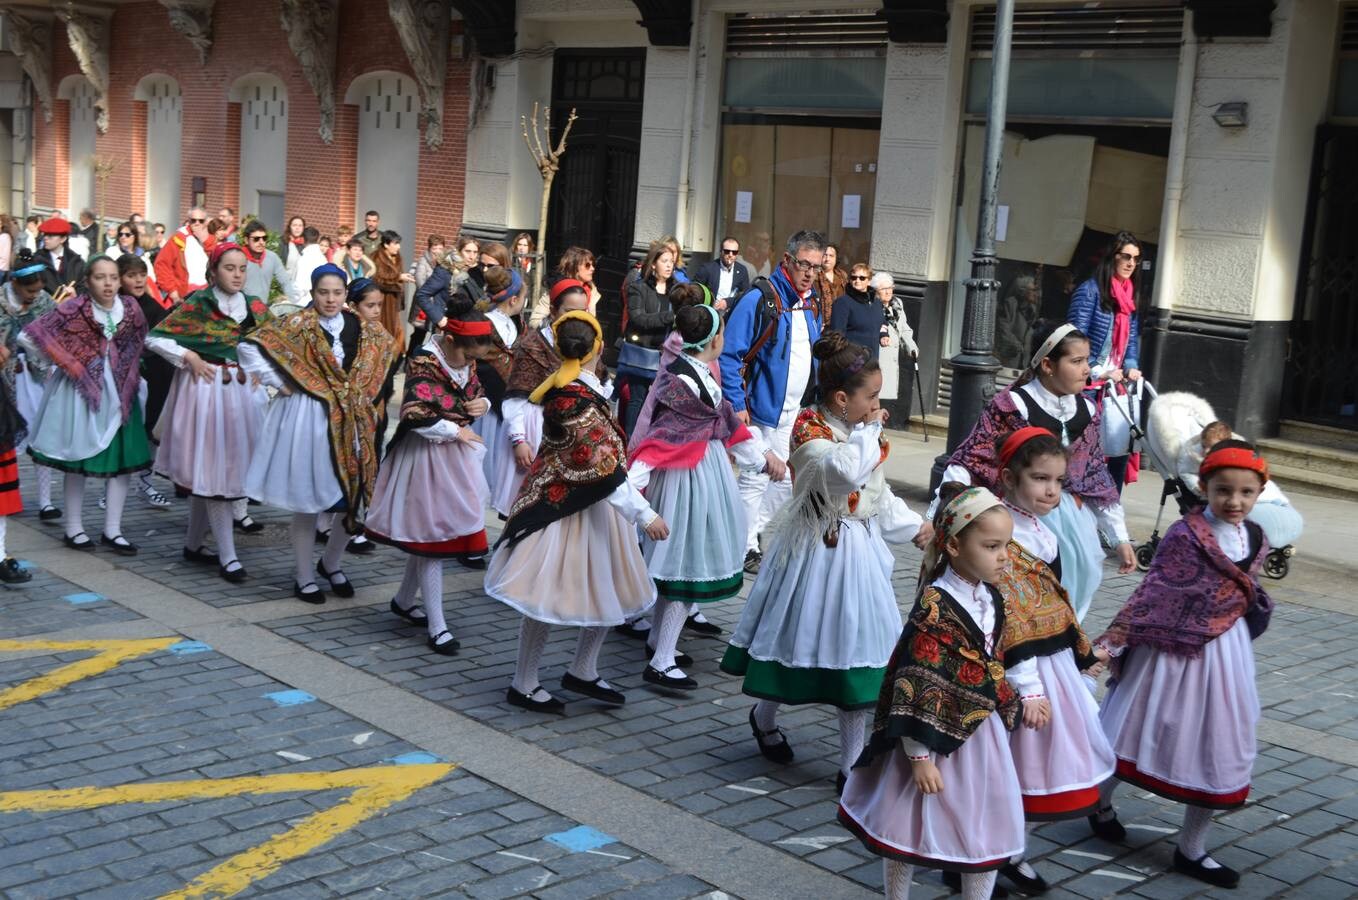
974 368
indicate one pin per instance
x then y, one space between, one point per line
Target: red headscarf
221 250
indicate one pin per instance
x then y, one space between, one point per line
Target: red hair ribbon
562 286
1233 458
221 250
1017 440
469 329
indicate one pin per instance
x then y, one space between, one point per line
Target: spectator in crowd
576 263
884 286
468 252
524 249
726 276
263 267
355 262
159 229
390 275
125 242
63 266
429 260
371 236
834 281
767 390
31 240
88 230
110 234
311 257
343 234
220 229
228 216
181 266
9 228
649 320
291 244
759 253
858 314
1014 319
139 222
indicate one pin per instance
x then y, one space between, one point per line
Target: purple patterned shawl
1087 474
675 425
75 342
1192 594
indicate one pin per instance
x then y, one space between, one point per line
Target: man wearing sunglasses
181 265
726 276
767 366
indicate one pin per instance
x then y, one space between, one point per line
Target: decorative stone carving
312 27
423 27
32 41
193 19
88 36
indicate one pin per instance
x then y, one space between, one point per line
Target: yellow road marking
110 654
375 789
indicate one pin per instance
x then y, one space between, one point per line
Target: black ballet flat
343 588
200 555
680 658
362 548
410 615
126 548
1110 830
235 576
316 596
472 562
247 525
75 543
706 629
12 573
630 630
1029 887
1222 876
780 752
448 647
592 689
49 514
526 701
953 881
652 675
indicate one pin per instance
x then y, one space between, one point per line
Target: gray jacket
259 277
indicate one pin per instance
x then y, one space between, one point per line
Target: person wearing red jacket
181 265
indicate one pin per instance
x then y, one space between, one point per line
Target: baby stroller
1172 441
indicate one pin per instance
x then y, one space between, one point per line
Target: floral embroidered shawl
75 342
580 461
534 360
198 325
940 683
432 396
493 369
301 348
1087 474
676 426
1192 594
13 322
1038 617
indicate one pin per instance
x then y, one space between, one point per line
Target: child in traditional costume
506 297
1049 395
328 369
679 457
22 300
1182 709
156 372
213 415
89 423
1062 756
568 554
936 786
13 432
430 497
821 618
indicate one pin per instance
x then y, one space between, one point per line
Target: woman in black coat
858 314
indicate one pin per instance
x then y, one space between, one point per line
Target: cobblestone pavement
666 797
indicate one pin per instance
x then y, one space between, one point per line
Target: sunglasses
1128 257
124 234
256 237
725 252
859 277
197 221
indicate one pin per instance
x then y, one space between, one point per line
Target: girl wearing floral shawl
22 300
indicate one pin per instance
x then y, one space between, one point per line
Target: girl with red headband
1050 395
1182 712
430 495
329 370
214 412
1061 754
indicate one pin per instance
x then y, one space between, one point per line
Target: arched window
81 94
164 119
263 146
388 150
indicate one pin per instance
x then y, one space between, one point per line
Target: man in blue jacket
767 395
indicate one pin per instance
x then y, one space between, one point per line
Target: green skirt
129 451
844 688
700 591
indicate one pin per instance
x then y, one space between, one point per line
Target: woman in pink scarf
1104 308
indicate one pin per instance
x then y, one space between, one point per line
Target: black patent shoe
953 881
49 514
1029 886
526 701
1110 830
446 648
201 555
343 588
119 545
315 595
704 628
594 689
630 630
472 562
75 542
680 658
780 752
360 545
235 576
247 525
11 573
652 675
415 615
1220 876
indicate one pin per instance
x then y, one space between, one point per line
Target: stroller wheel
1144 554
1276 564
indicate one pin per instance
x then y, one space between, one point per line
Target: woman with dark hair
832 283
390 275
650 318
24 299
1104 308
576 263
524 249
291 244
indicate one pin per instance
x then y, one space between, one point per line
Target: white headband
1050 343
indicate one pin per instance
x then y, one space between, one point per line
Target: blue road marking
581 839
290 698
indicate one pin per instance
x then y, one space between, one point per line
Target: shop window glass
852 83
1097 87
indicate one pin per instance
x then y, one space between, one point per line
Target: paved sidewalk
664 798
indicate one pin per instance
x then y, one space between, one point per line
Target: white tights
304 545
852 723
896 881
115 498
216 514
1193 835
667 620
533 641
44 475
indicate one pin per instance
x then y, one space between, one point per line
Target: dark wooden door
595 193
